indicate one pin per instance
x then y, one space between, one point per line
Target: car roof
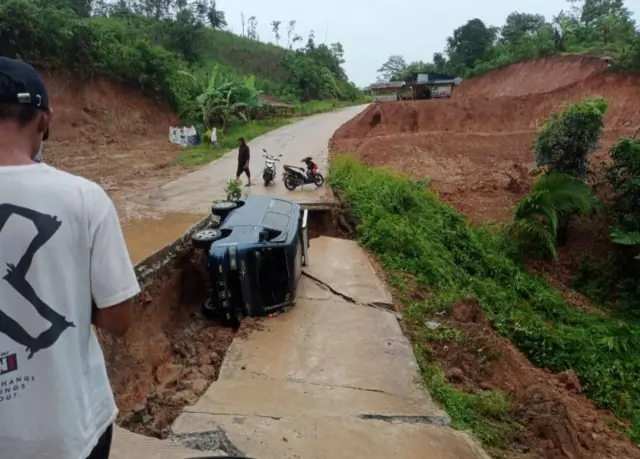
265 211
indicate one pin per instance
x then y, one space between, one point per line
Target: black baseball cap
30 87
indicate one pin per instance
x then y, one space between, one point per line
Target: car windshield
272 275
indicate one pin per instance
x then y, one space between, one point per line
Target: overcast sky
372 30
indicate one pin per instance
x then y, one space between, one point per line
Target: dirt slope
533 77
477 149
112 134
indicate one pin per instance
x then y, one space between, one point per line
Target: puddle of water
146 236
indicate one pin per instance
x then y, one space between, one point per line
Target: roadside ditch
173 353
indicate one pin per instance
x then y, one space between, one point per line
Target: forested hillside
603 27
151 44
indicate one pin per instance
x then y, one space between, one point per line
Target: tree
595 10
518 25
439 61
216 17
470 42
222 98
567 138
394 68
538 216
290 28
252 28
275 26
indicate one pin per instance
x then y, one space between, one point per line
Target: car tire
208 310
204 238
318 179
223 208
290 183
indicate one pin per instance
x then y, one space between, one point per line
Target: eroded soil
113 135
558 420
476 147
172 353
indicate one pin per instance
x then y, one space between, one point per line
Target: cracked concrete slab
336 437
331 378
343 266
128 445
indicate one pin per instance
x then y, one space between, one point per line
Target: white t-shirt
60 246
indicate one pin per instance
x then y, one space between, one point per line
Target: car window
282 207
275 220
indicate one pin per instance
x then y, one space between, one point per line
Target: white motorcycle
269 171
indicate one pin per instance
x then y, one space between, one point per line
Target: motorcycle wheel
318 180
290 183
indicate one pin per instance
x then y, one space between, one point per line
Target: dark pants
242 168
103 448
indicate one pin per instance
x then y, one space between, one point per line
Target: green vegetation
414 234
204 153
554 199
160 46
588 26
320 106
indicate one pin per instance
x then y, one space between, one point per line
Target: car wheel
208 310
204 238
290 183
223 208
318 179
234 319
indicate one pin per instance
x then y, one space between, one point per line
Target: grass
205 153
321 106
412 232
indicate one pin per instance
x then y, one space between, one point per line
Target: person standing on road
64 266
244 155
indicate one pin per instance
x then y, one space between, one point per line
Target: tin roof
387 85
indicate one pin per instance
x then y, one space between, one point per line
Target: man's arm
113 280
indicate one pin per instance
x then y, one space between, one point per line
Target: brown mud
558 420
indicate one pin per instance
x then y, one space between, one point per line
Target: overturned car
254 257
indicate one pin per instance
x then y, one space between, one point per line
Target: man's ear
44 122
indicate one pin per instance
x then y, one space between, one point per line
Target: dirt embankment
559 421
476 149
112 134
533 77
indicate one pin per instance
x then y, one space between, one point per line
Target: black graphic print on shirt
16 276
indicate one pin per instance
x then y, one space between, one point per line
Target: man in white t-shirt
61 250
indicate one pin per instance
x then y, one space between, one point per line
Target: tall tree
594 10
252 28
290 28
517 25
470 42
393 68
439 61
275 27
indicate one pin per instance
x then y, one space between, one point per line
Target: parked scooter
269 172
295 176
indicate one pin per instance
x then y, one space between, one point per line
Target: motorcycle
295 176
269 171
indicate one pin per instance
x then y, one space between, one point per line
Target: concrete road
309 137
334 377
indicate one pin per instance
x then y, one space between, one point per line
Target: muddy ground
558 420
171 354
113 135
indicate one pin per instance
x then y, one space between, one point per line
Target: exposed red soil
171 355
477 149
111 134
532 77
559 421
